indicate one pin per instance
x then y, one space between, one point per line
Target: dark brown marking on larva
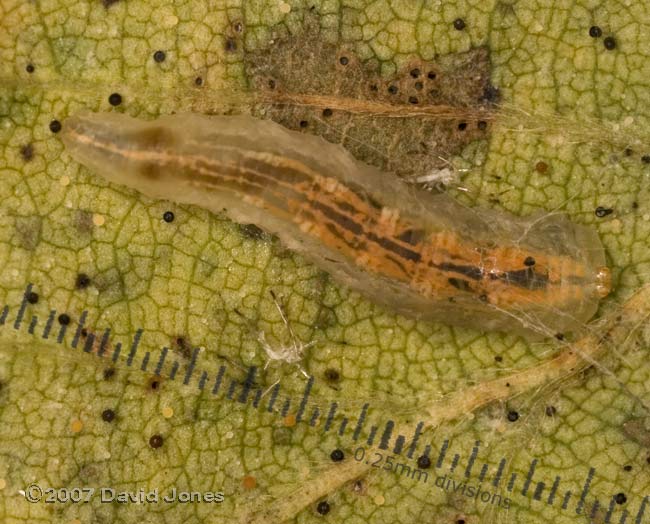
460 284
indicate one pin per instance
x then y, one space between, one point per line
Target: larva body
419 254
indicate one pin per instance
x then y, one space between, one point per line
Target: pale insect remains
417 253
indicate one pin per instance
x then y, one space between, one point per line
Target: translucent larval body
420 254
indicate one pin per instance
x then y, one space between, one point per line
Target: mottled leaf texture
233 366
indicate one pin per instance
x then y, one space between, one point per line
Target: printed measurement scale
380 436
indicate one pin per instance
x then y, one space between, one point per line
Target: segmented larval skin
420 254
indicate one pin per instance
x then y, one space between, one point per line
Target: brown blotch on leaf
377 118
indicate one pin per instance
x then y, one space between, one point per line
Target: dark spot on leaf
198 81
168 216
29 68
550 411
337 455
109 373
159 56
332 375
32 297
27 152
115 99
513 416
323 507
82 281
64 319
595 31
603 211
459 24
609 42
252 231
231 45
156 441
424 462
55 126
108 415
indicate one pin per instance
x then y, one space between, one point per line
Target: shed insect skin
419 254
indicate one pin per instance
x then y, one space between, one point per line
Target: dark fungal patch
198 81
304 123
153 384
29 68
337 455
559 336
459 24
529 261
159 56
168 216
108 415
27 152
550 411
645 159
609 42
344 60
82 281
115 99
323 507
620 498
424 462
32 297
156 441
627 467
601 212
327 112
513 416
64 319
595 31
498 358
108 373
462 126
482 125
108 3
55 126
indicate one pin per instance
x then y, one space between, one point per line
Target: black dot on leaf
327 112
32 297
29 68
603 211
609 42
424 462
64 319
337 455
344 60
198 81
168 216
159 56
620 498
156 441
513 416
459 24
323 507
108 415
595 31
55 126
115 99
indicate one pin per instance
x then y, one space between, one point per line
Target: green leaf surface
568 131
